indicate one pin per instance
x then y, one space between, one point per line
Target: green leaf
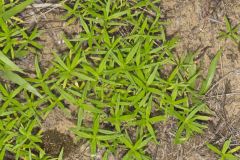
133 52
143 143
80 117
226 146
211 72
230 157
82 76
173 74
108 137
2 153
118 15
151 131
125 140
93 146
9 63
108 7
74 101
83 134
85 26
61 62
234 149
152 76
16 9
228 24
214 149
37 68
60 156
20 81
106 37
157 119
96 124
90 108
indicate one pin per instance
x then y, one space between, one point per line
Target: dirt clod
54 141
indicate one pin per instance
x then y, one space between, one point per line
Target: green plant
225 153
20 114
17 132
7 69
120 73
9 10
232 32
10 41
95 135
67 68
128 84
13 38
135 151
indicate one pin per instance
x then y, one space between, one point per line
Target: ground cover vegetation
120 72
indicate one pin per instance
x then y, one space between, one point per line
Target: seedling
225 153
232 32
135 151
96 135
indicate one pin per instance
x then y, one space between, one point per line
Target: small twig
221 65
214 20
226 94
54 7
50 32
45 5
145 10
223 104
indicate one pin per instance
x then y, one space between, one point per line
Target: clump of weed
114 72
120 79
231 32
19 116
226 153
14 39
